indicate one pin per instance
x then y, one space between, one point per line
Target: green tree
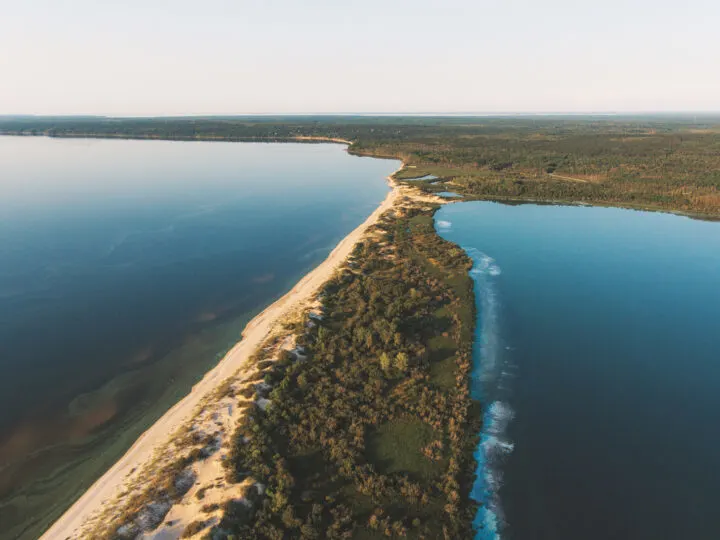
402 361
385 361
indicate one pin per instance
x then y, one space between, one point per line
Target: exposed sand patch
568 178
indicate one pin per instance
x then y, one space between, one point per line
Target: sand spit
208 415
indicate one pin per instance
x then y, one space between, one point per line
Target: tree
401 361
385 361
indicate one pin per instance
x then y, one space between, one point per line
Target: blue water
426 177
126 269
597 360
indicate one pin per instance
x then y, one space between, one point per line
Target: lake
127 269
597 358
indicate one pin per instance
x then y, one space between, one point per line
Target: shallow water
597 361
127 268
423 178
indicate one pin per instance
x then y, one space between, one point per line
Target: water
597 361
426 177
126 269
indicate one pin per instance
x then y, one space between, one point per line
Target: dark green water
126 269
598 360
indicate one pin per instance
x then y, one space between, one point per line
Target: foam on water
443 226
487 346
482 263
490 455
492 375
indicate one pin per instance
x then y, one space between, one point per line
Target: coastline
181 138
316 139
130 466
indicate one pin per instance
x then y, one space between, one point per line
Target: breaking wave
492 376
443 226
483 264
487 347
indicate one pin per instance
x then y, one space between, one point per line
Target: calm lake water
127 268
598 360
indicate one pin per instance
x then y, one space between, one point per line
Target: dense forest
669 162
369 430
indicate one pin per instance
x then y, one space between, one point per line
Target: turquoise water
597 360
126 269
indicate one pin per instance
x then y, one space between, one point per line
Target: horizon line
449 114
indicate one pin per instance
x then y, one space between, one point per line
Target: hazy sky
147 57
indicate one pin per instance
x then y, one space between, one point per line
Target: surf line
490 383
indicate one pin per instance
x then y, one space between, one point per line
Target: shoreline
129 467
181 138
622 206
312 139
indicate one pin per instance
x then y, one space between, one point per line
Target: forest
655 162
370 429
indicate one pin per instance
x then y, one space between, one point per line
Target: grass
442 373
395 447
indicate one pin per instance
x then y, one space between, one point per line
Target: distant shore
198 138
128 468
310 139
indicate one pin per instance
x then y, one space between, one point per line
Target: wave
487 346
483 264
492 376
490 455
443 226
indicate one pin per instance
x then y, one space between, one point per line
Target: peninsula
346 409
193 472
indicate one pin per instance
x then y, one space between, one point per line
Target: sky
158 57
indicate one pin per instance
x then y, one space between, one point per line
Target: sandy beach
126 470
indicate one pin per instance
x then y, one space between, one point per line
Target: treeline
670 162
663 161
652 168
370 431
364 130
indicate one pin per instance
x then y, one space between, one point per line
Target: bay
127 269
